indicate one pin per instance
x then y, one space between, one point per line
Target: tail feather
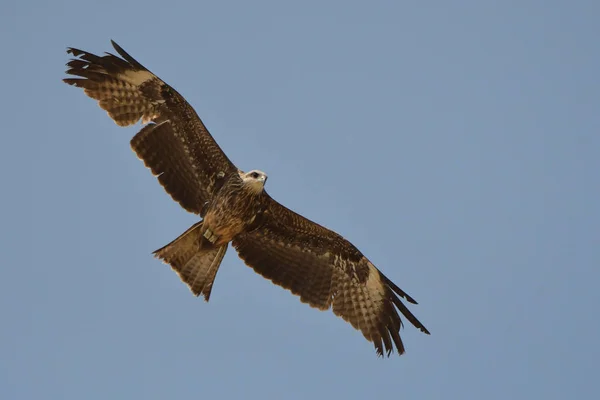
195 260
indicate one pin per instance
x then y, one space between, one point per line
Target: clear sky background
455 143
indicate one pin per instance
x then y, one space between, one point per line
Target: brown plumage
311 261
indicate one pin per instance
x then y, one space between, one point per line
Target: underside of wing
175 144
327 271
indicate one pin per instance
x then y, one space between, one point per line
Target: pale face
255 179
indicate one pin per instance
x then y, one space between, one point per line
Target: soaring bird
318 265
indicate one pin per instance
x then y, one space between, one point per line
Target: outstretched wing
326 270
174 144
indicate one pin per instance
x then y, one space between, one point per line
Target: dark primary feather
176 145
326 270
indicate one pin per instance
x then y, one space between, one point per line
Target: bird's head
255 180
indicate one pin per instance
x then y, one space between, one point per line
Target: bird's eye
254 175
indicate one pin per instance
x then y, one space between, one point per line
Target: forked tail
195 260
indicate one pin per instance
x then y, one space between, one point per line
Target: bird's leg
210 236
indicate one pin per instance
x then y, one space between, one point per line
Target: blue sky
455 143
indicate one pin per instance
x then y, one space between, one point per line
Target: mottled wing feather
176 146
326 270
157 145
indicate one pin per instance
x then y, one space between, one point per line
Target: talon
210 236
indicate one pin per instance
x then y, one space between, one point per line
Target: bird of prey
311 261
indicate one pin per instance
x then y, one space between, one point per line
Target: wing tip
397 290
74 52
71 81
118 48
127 57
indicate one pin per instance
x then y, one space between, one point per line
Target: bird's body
313 262
234 208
